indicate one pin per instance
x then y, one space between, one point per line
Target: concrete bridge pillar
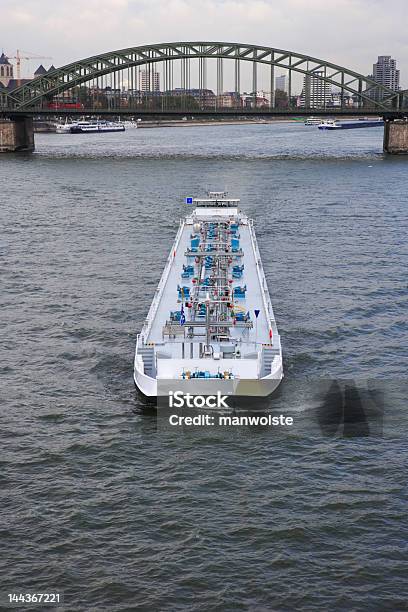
396 137
16 134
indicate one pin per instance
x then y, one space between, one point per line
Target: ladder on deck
268 355
147 354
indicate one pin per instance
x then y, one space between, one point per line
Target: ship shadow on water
349 408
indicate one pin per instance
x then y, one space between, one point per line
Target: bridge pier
396 137
16 134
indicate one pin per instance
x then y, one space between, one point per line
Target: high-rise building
316 92
385 73
149 80
281 83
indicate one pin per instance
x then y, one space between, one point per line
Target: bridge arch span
55 82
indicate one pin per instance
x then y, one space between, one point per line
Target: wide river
100 503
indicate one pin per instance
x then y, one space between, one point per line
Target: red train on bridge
65 105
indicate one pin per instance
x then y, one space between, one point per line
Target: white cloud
18 17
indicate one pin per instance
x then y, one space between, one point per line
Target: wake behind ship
211 324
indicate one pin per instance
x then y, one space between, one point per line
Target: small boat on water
89 127
130 124
64 128
334 124
313 121
211 324
97 126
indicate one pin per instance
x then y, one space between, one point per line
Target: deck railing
262 281
159 291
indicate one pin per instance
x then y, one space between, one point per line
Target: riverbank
202 122
50 126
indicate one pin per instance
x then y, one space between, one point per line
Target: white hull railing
162 283
270 317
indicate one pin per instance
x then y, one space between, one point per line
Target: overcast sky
348 32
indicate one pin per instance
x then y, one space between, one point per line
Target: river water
116 513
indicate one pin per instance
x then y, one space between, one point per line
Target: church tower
6 70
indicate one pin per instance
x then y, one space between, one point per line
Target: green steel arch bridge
184 70
188 78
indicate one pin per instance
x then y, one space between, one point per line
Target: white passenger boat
211 325
96 126
93 126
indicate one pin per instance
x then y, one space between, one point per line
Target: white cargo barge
211 324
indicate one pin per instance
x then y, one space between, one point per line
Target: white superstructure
329 124
313 121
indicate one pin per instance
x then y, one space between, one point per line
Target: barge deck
211 321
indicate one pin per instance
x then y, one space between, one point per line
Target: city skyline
45 28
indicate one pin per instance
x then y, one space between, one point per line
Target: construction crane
24 55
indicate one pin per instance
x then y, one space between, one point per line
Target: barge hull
211 325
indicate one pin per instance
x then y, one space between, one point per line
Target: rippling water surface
100 503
